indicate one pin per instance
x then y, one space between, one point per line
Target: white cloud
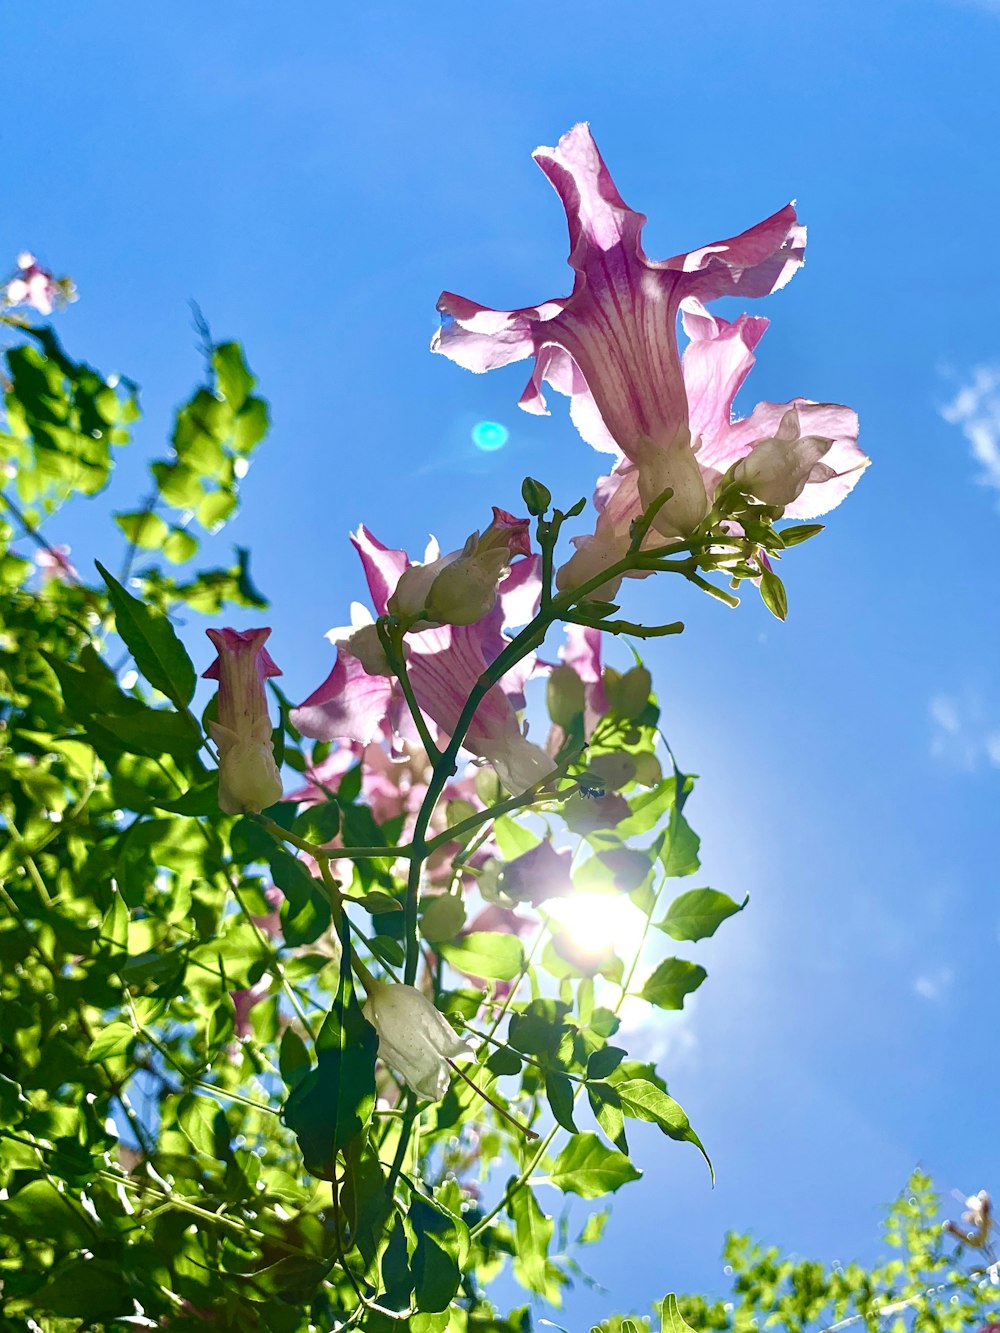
932 985
976 411
964 732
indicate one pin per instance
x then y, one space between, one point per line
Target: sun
597 922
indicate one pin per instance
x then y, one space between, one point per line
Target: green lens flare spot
489 436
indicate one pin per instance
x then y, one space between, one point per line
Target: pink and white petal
480 339
383 566
349 705
715 364
830 421
520 592
844 460
598 217
757 262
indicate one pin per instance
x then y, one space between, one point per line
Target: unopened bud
564 696
630 693
536 496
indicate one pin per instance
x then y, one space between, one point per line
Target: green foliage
193 1114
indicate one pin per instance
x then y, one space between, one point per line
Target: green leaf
112 1040
773 595
114 927
148 731
484 954
150 638
443 918
513 839
533 1233
697 914
680 851
333 1102
180 546
604 1061
606 1105
641 1099
203 1123
318 824
442 1240
88 1289
672 980
800 532
590 1169
559 1091
672 1320
143 529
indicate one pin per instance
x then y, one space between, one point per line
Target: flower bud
536 496
466 588
776 471
248 776
414 1038
565 696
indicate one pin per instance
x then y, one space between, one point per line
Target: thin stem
519 1125
321 854
503 807
32 533
391 638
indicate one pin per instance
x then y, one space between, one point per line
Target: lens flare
489 436
597 922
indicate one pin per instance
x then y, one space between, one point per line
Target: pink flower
801 457
53 562
34 286
444 664
612 344
461 588
248 776
538 875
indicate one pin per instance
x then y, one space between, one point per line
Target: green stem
391 637
322 854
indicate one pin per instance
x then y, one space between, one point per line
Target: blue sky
313 175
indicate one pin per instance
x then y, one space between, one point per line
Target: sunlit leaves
671 981
484 954
697 914
588 1168
533 1233
63 417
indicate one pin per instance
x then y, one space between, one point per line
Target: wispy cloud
933 985
976 411
964 732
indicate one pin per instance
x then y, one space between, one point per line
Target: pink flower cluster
611 345
444 662
35 286
665 415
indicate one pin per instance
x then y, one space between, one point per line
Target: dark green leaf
333 1102
607 1108
150 638
559 1091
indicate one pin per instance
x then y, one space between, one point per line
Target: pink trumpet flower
444 664
248 776
800 457
612 344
